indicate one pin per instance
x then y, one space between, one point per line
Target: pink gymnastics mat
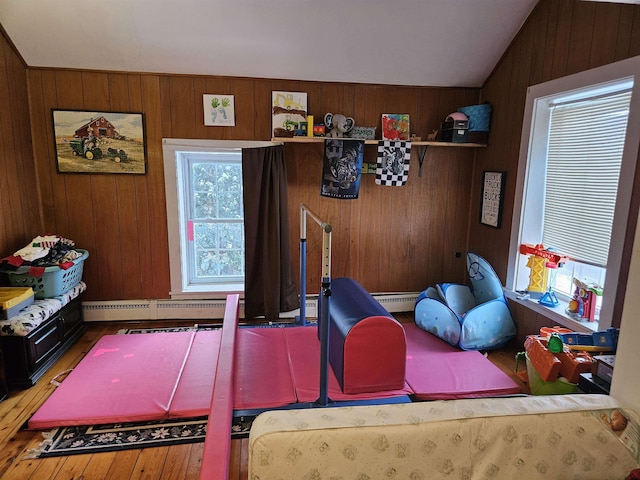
263 375
123 378
154 376
439 371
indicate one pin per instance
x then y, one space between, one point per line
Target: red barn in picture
101 128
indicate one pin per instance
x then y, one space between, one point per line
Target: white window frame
178 244
535 118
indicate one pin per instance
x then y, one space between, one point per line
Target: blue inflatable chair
472 318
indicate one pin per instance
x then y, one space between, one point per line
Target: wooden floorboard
162 463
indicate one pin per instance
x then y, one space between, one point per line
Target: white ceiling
402 42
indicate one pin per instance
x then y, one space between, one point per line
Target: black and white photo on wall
492 198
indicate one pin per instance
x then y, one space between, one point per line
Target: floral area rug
198 327
123 436
194 328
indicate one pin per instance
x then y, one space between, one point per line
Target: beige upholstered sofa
554 437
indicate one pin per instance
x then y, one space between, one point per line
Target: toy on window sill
583 304
549 299
541 262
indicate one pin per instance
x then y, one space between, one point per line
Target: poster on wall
342 167
392 168
288 110
99 142
219 110
492 198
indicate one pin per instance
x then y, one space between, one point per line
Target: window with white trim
573 188
205 216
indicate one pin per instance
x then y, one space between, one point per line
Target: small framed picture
492 198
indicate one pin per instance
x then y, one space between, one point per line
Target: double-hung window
573 186
213 215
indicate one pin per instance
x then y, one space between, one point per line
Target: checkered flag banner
392 167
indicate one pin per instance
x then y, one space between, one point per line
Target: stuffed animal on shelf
338 125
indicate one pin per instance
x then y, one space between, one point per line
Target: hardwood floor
166 463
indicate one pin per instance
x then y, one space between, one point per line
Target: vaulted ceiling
397 42
403 42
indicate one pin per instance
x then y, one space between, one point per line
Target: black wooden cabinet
27 358
3 378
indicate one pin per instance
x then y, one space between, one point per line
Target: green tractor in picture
83 148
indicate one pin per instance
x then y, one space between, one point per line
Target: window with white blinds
575 181
584 157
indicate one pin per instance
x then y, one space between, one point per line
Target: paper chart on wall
219 110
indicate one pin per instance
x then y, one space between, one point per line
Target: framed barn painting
99 142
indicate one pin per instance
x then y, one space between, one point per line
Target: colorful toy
549 299
309 126
583 304
555 368
602 341
546 332
540 261
338 125
301 130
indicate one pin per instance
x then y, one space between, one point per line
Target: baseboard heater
127 310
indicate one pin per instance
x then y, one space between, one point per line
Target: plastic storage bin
53 282
479 117
14 299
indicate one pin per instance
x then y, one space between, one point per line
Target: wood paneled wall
20 217
560 38
390 239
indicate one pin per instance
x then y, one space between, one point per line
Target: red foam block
304 354
374 356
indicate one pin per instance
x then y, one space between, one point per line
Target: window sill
556 315
207 291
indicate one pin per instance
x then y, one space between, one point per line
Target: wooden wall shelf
375 142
